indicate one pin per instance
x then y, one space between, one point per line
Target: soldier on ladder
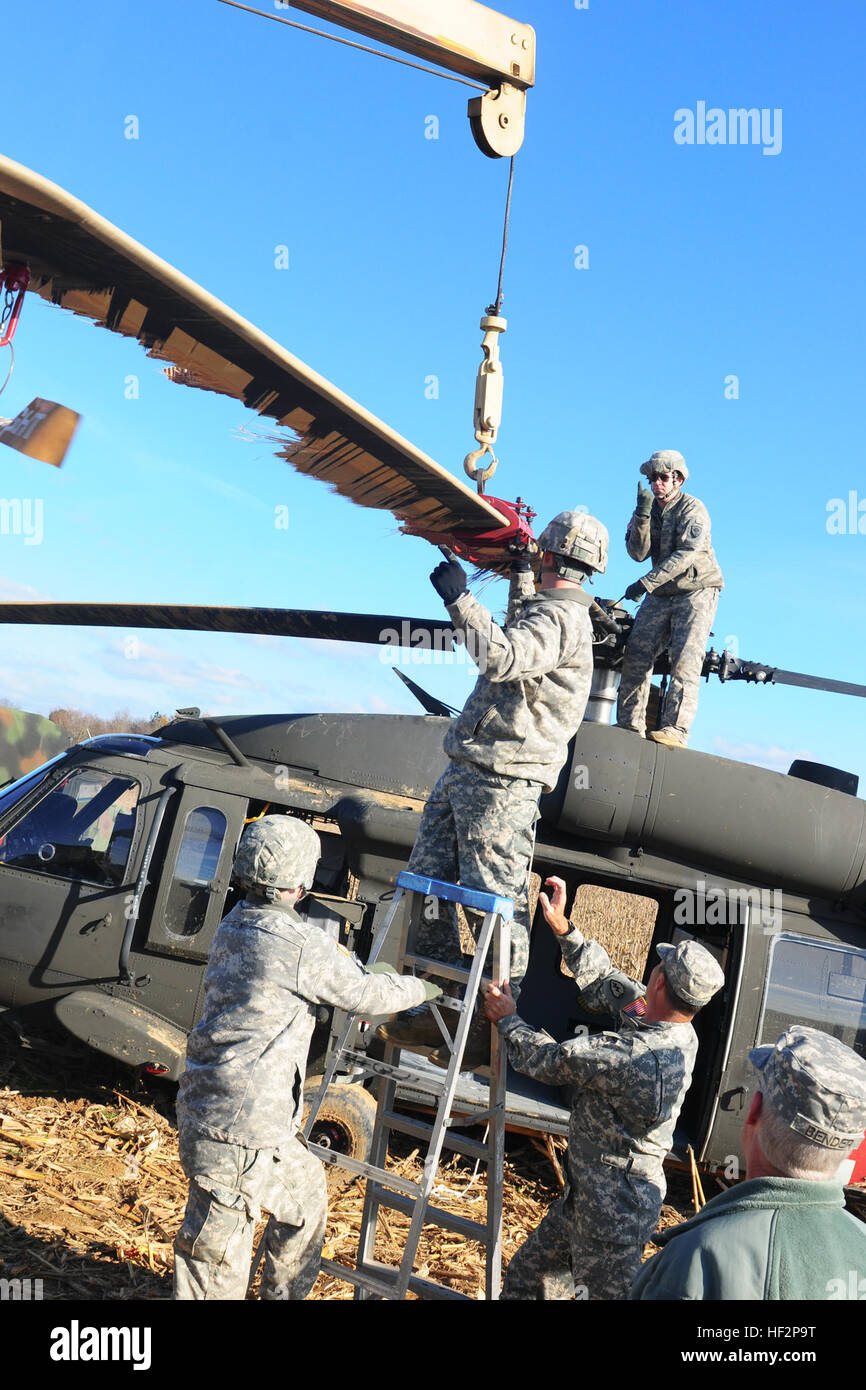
507 746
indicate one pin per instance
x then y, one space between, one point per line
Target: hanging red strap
13 285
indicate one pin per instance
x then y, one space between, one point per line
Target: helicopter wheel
344 1123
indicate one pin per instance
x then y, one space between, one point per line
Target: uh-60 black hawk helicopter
116 855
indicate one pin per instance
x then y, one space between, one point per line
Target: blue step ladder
373 1278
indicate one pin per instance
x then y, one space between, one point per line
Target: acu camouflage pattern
477 829
277 852
534 684
241 1096
628 1087
229 1184
577 536
692 971
664 461
26 742
677 539
246 1058
680 624
816 1085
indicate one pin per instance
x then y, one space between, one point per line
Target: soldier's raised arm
601 985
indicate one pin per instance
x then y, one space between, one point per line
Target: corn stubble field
92 1194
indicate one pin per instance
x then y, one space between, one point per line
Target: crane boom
460 35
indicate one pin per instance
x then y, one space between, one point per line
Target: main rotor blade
732 668
818 683
79 260
381 629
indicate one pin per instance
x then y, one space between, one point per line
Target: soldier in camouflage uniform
628 1087
241 1096
506 747
679 594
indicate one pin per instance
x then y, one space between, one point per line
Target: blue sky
704 262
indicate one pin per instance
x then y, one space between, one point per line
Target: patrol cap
277 852
577 536
664 461
691 971
816 1085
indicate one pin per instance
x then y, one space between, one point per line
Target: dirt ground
92 1194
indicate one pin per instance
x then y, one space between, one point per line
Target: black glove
520 557
635 591
644 501
449 581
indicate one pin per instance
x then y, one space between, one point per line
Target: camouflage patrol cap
664 461
277 852
691 971
577 536
816 1085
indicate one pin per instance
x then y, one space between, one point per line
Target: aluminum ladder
373 1278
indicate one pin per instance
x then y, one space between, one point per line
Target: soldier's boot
476 1054
671 738
417 1030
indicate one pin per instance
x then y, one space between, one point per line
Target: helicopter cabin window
817 983
81 830
194 871
623 923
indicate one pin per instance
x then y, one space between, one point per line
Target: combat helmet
277 852
577 540
665 461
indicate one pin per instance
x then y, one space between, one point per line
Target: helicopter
115 856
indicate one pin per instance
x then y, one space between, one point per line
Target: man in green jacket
784 1232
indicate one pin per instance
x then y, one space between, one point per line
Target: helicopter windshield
18 789
82 829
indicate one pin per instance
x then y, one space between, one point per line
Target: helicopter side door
196 872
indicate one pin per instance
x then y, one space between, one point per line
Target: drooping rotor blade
80 261
731 668
381 629
425 699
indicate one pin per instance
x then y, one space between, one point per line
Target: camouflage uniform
628 1090
241 1099
507 746
682 593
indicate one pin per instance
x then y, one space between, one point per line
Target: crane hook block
488 396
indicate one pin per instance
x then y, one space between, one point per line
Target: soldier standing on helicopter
506 747
679 594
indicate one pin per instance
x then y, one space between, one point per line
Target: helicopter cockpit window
194 871
818 983
82 829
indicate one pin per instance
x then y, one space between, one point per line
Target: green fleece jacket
768 1238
